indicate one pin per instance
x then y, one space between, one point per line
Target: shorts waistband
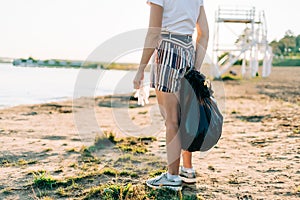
185 38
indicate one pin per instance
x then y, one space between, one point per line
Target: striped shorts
171 59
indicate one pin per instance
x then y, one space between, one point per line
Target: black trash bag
200 120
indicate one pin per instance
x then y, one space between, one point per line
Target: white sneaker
187 176
162 181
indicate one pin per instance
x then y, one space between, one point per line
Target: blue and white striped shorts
172 57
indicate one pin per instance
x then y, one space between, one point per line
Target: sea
35 85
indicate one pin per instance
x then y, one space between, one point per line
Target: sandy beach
45 149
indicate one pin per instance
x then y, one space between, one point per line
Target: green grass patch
210 167
26 162
44 181
47 150
125 158
164 194
157 172
47 198
71 150
143 112
233 180
286 62
101 142
60 170
5 163
39 171
106 140
19 162
110 171
129 159
110 192
62 192
135 145
68 191
140 149
147 139
134 192
128 173
192 197
6 191
229 77
73 165
296 131
86 151
111 137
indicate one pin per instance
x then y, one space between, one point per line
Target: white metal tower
250 46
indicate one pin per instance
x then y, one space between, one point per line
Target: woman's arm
202 38
151 41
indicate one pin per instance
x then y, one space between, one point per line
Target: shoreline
40 103
98 96
34 86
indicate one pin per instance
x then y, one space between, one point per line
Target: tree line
289 45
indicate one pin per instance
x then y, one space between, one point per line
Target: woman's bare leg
187 159
169 106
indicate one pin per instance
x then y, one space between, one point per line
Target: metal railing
227 14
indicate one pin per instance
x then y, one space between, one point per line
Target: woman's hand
139 77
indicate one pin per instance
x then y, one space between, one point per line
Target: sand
258 156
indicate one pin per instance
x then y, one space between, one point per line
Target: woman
172 23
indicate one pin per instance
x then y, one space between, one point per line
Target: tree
298 43
288 45
288 42
289 33
276 48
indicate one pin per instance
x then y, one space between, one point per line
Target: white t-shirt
179 16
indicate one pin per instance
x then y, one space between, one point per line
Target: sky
73 29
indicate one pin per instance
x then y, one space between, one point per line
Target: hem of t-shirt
178 32
155 2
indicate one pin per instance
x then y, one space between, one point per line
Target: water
34 85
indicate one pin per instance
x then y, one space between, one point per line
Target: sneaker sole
175 188
188 180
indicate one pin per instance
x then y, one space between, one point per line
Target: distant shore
277 62
31 62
